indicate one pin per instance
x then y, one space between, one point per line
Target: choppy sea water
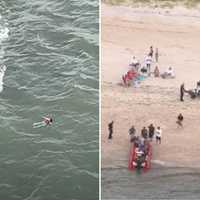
50 50
159 183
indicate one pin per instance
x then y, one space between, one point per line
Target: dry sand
130 31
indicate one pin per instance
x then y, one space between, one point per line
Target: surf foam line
4 31
2 73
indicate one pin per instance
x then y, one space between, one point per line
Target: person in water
180 120
47 120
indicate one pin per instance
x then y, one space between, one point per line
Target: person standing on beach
182 90
132 132
151 51
144 133
148 61
151 131
180 120
156 55
110 129
158 133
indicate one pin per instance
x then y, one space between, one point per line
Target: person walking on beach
182 90
151 51
156 55
180 120
151 131
158 134
144 133
110 129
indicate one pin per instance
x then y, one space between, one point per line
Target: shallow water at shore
158 183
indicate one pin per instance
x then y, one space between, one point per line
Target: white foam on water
164 163
4 33
2 73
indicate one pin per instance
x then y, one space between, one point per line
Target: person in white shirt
170 72
135 63
158 134
148 61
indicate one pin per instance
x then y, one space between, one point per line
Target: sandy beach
129 31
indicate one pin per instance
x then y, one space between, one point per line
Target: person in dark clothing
151 51
182 90
156 55
180 120
132 131
110 128
151 131
144 133
198 88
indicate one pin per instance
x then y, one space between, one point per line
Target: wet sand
130 31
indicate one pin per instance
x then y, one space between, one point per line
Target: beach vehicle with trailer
138 159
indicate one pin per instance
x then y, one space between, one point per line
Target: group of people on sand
169 73
146 134
139 72
149 132
193 92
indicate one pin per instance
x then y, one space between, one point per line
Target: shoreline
153 4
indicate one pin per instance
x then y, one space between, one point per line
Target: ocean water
159 183
50 52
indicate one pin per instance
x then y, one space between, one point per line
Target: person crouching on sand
158 134
156 72
180 120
